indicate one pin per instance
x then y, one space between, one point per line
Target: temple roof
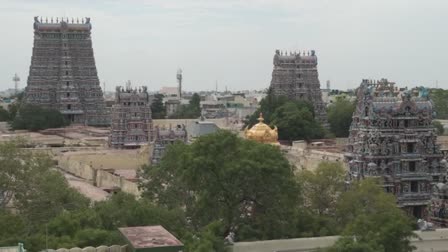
61 24
262 133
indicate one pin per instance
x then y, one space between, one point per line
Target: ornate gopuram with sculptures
295 76
165 136
392 138
63 74
131 123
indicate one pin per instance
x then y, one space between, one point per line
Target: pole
46 236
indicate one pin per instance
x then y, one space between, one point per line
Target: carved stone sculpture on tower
295 76
63 74
399 142
131 124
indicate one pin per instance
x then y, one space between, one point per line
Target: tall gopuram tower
63 74
295 76
131 124
392 138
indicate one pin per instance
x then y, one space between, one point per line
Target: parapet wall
113 248
302 156
99 178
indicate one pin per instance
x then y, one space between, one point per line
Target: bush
34 118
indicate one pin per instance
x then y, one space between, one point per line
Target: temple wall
77 168
99 178
106 179
303 157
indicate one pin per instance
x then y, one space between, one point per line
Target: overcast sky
232 42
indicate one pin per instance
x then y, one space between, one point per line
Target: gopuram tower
295 76
63 74
131 123
392 139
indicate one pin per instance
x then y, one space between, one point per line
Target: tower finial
261 119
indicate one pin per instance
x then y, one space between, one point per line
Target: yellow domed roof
262 133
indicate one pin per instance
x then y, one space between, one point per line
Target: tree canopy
158 109
439 127
294 119
372 220
340 116
192 110
221 177
440 98
32 117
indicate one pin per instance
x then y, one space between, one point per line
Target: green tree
323 186
12 228
440 98
296 122
192 110
157 108
4 115
294 119
340 116
249 187
439 127
372 220
35 118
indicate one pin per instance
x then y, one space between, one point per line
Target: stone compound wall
113 248
99 178
303 157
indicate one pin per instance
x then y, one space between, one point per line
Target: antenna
216 86
16 80
179 80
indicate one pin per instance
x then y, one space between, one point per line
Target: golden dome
262 133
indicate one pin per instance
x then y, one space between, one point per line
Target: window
69 106
366 111
406 123
66 63
414 186
65 54
68 94
67 83
412 166
410 147
66 72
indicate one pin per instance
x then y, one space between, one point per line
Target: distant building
200 128
392 138
163 137
63 74
295 76
131 118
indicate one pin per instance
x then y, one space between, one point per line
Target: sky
231 43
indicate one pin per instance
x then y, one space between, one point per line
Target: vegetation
340 116
440 98
295 119
35 118
192 110
439 127
372 221
223 178
4 115
218 184
158 108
